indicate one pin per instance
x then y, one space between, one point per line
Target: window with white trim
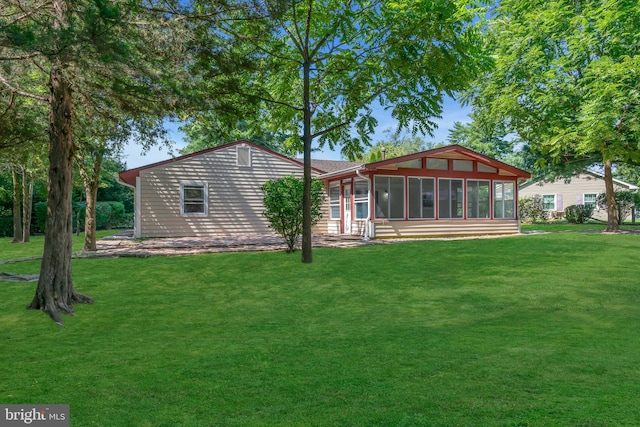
194 199
450 198
590 200
549 202
389 197
478 203
504 203
361 198
334 200
422 198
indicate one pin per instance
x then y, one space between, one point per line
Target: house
445 191
582 189
207 193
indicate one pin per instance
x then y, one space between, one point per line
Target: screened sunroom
446 191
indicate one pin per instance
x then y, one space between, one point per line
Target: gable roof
129 176
328 166
595 174
455 152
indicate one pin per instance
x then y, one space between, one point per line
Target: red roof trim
456 148
129 176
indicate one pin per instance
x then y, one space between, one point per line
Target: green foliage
395 145
532 209
405 54
283 206
578 214
108 215
625 202
565 81
206 130
6 226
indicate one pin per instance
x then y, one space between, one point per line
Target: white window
450 198
243 155
422 198
504 205
590 200
478 203
549 202
334 200
193 199
361 198
389 197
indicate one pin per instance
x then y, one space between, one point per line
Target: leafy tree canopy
566 81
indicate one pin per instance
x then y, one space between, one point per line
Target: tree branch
19 57
20 92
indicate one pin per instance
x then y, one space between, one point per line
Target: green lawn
531 330
589 226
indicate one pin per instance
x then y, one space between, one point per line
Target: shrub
532 209
578 214
283 206
40 211
625 202
108 215
6 226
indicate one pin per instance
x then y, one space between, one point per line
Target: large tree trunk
27 204
612 208
91 183
55 294
17 206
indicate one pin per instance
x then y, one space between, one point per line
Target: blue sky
452 112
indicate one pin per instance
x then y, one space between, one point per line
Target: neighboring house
445 191
582 189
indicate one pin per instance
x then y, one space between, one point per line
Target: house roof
595 174
455 152
129 176
328 166
337 168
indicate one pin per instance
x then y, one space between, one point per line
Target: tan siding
389 229
234 195
321 226
572 192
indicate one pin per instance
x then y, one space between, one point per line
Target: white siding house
581 189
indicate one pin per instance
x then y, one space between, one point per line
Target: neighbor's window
422 198
504 205
590 200
334 200
193 199
361 198
478 203
450 198
243 155
549 202
389 197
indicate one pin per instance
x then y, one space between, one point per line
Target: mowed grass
531 330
